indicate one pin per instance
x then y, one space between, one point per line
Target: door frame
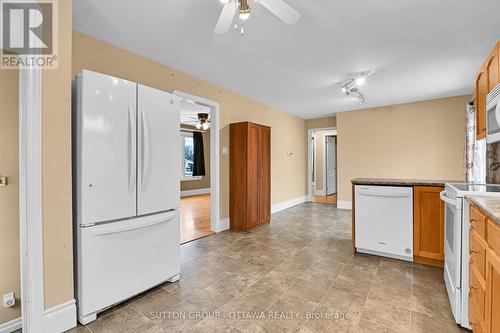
310 131
215 223
30 199
325 161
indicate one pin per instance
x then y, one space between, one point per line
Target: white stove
456 244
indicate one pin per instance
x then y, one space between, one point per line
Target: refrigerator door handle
145 150
131 121
114 228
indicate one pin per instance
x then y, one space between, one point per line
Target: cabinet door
492 68
158 151
253 177
264 162
428 225
492 292
481 93
105 132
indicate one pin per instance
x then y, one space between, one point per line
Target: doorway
199 167
322 171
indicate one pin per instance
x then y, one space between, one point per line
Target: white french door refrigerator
126 190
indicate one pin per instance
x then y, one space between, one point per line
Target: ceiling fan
201 121
278 7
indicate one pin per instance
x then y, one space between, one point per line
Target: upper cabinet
486 79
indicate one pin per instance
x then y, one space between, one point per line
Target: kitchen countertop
489 205
402 182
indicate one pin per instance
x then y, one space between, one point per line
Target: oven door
452 251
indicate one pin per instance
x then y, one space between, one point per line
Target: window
187 157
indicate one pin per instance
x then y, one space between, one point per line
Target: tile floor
296 275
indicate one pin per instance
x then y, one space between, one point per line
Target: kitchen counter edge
489 205
402 182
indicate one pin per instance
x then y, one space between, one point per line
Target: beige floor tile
156 302
180 318
387 314
421 323
431 299
310 291
208 299
423 273
149 328
125 319
365 326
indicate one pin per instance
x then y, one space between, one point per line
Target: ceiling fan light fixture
224 1
198 125
244 10
205 126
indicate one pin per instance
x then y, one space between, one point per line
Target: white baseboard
58 319
195 192
344 204
287 204
11 326
223 225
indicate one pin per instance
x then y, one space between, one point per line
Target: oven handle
449 200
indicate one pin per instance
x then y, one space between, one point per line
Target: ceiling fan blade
226 18
281 9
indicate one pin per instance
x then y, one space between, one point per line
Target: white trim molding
224 224
199 191
330 131
341 204
11 326
30 198
319 192
215 223
58 319
288 204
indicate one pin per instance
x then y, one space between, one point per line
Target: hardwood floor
195 217
329 199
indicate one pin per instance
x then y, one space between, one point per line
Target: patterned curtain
475 150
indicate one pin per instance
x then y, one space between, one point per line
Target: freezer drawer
121 259
384 221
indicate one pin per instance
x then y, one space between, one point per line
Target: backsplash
493 163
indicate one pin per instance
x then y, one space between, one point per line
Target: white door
158 151
331 165
105 132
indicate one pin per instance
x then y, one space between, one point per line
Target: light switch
225 150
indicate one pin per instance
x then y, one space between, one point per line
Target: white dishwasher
384 221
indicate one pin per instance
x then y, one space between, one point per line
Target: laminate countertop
402 182
489 205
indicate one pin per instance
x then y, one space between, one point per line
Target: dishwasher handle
381 193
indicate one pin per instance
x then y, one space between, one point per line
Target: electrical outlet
9 300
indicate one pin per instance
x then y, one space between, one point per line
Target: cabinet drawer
477 221
477 294
477 252
494 236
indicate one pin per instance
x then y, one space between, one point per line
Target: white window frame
185 178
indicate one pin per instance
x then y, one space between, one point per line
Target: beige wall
418 140
56 164
287 133
205 181
9 195
321 122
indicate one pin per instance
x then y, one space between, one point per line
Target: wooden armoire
250 175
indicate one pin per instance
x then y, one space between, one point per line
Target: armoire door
158 150
264 163
253 177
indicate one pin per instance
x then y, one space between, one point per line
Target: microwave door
493 122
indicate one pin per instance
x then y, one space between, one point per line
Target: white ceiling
419 49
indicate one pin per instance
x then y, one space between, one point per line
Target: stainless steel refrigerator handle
131 183
145 151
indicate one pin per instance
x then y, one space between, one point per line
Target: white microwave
493 115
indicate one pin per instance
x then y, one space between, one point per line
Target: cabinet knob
473 252
4 180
